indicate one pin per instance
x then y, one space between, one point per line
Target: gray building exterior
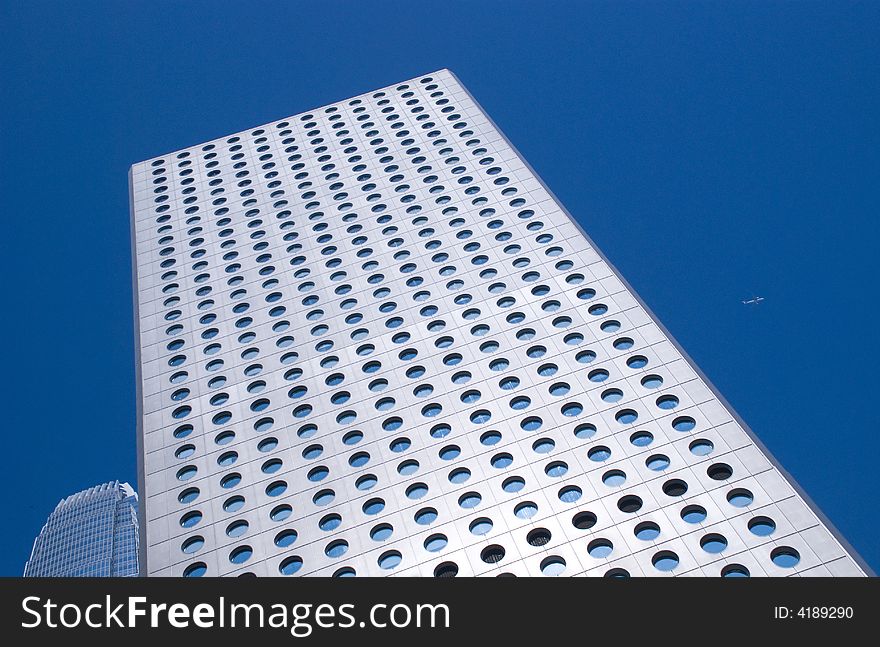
93 533
372 342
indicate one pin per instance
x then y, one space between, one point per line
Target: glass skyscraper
371 342
93 533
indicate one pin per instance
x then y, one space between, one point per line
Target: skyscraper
93 533
371 342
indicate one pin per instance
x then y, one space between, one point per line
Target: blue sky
714 151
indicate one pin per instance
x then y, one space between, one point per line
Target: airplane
753 301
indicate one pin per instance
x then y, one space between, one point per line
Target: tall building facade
93 533
371 342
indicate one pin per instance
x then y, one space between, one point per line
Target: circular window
647 531
584 431
684 423
469 500
186 473
785 557
459 475
570 494
480 417
280 512
513 484
626 416
426 516
431 410
629 503
277 488
336 548
193 544
492 554
390 559
675 487
365 482
543 446
652 381
694 514
740 497
352 437
572 409
195 570
480 526
272 466
330 522
227 458
381 532
583 520
720 471
559 388
641 438
237 528
241 554
701 447
553 566
665 560
539 537
185 451
637 361
667 402
735 570
600 548
762 526
359 459
614 478
657 462
599 453
190 519
374 506
290 565
446 569
268 444
489 438
713 543
612 395
509 383
526 510
519 403
318 474
617 573
436 543
610 326
285 538
587 356
416 491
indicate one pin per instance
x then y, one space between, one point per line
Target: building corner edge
139 394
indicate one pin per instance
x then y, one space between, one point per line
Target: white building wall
282 218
